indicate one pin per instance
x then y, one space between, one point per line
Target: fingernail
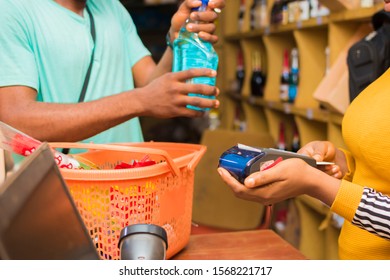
213 73
250 182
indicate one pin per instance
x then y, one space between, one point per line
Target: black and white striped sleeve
373 213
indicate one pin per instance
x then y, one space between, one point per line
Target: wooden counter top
239 245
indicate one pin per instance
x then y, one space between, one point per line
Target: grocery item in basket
146 161
22 144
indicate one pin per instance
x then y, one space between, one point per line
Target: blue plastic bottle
293 76
189 51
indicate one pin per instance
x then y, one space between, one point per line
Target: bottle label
198 57
284 92
292 93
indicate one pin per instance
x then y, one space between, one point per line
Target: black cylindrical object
143 242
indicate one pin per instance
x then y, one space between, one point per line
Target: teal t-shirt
48 47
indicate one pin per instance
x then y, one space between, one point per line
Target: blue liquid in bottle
189 51
293 76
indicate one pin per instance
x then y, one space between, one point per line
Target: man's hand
203 22
167 96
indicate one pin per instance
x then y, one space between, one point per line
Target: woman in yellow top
359 187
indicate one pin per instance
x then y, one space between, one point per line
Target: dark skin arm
164 97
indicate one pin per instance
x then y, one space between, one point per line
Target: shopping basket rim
172 165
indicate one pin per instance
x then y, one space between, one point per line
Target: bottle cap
204 5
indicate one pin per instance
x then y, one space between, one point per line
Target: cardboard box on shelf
333 90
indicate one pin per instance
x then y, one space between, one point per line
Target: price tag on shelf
267 30
287 108
299 24
309 114
319 20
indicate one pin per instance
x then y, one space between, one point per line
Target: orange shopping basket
110 199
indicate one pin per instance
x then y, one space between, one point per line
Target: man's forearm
70 122
164 65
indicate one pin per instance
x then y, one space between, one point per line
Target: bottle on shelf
277 12
281 144
285 12
322 10
304 10
327 70
239 123
366 3
255 14
213 119
284 77
296 143
280 223
258 77
314 8
241 15
190 51
293 76
264 20
240 72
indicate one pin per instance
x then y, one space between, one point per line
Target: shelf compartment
362 14
315 114
275 45
311 46
311 214
341 34
229 58
275 118
279 28
312 241
249 46
310 130
227 111
229 18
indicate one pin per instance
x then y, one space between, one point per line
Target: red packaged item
144 162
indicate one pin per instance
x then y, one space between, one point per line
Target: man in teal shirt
45 51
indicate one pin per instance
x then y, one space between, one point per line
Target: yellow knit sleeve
347 200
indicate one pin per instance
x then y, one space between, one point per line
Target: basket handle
195 160
112 147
